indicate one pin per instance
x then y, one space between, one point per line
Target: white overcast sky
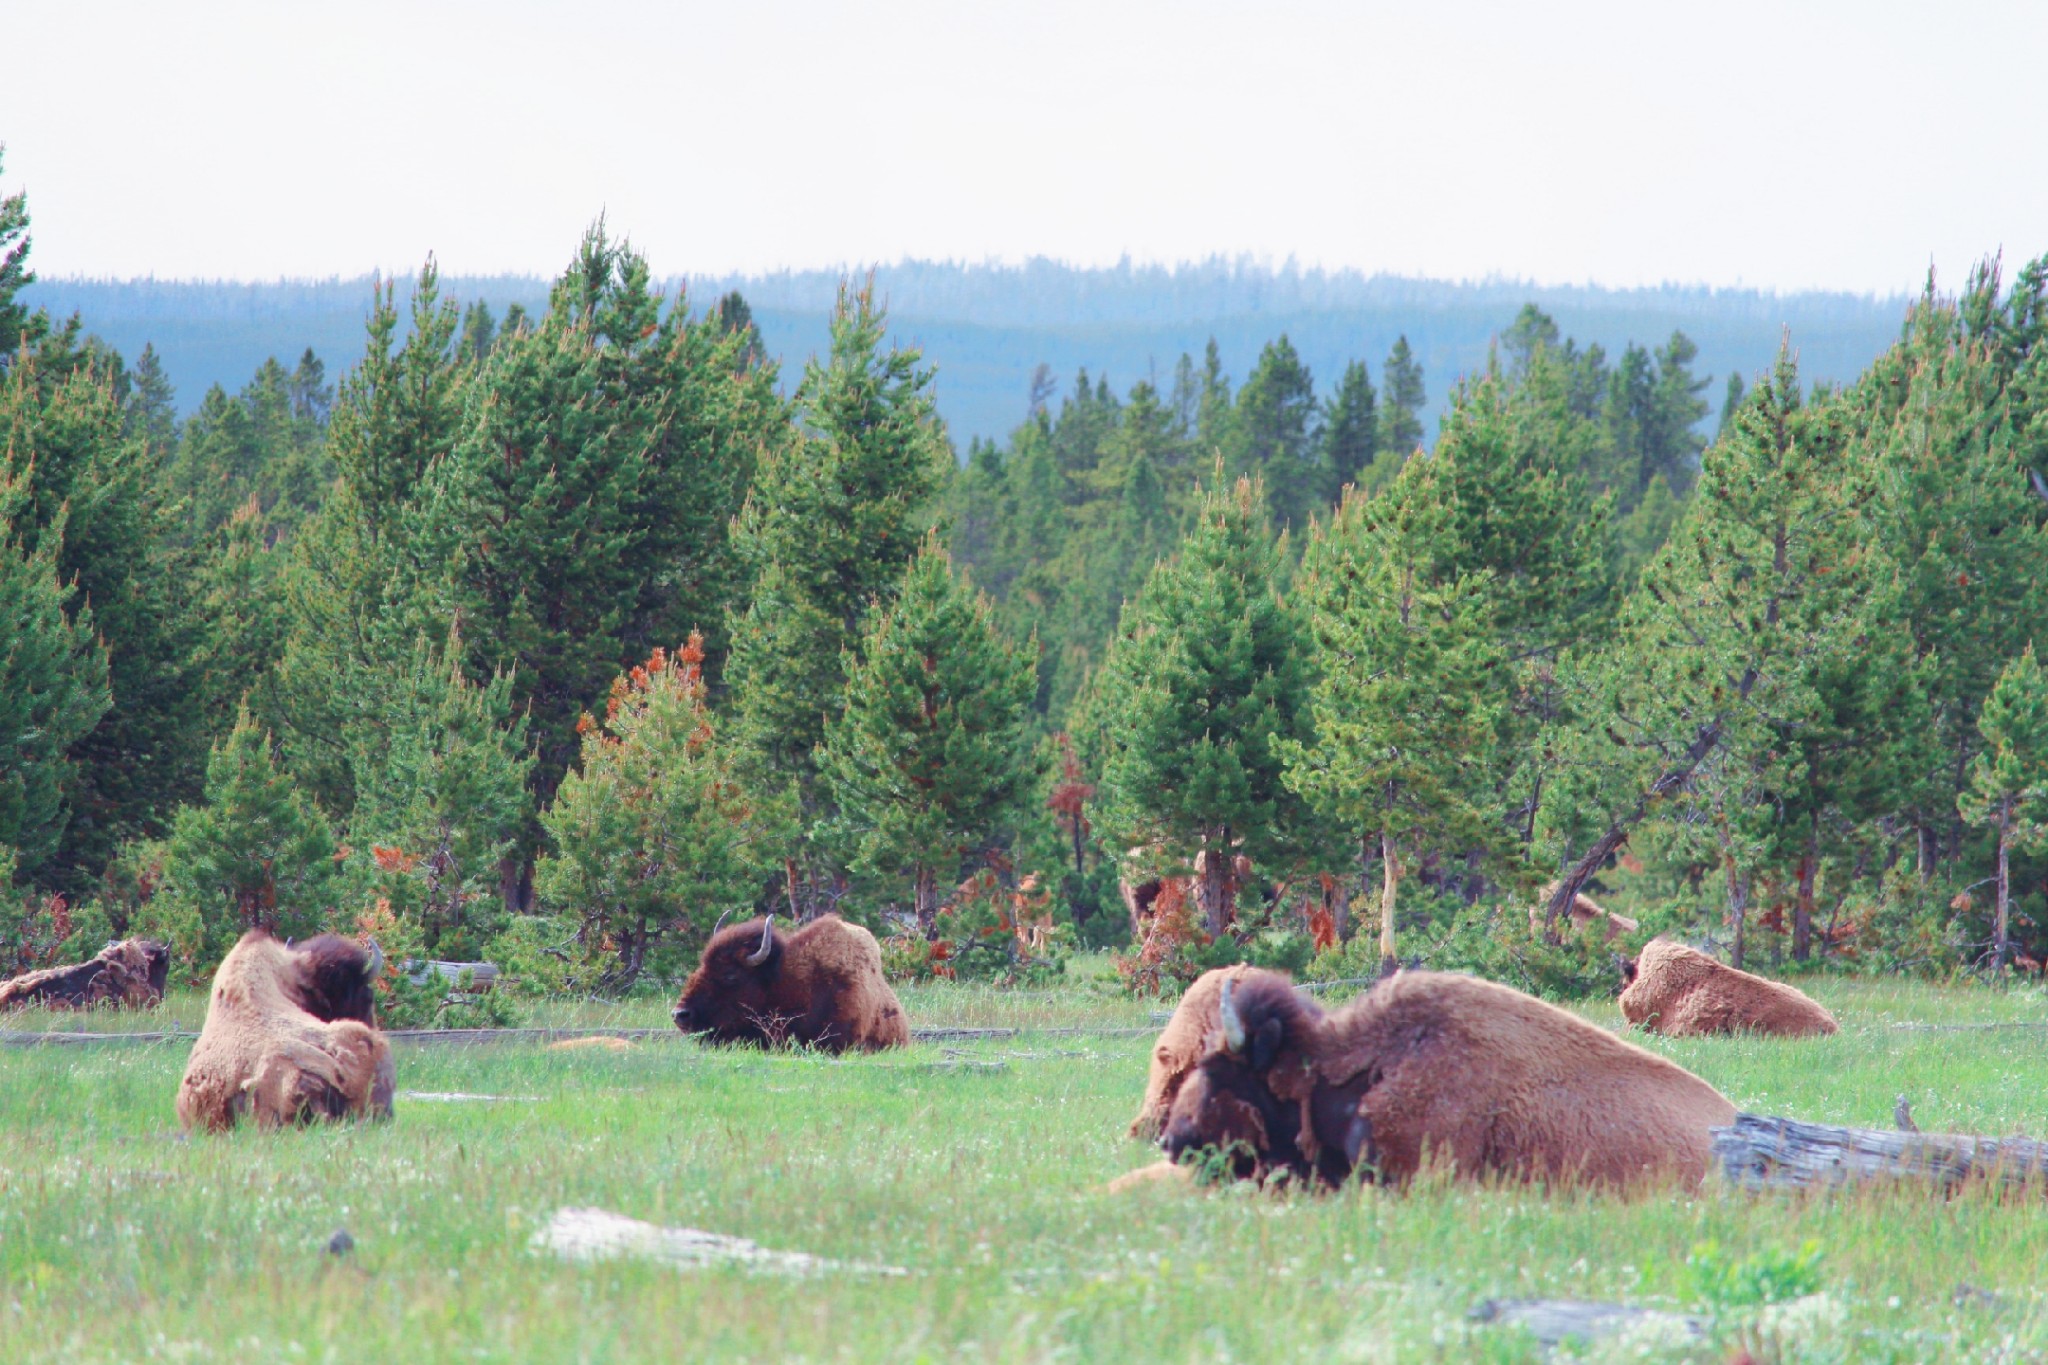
1839 145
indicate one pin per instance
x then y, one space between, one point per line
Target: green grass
120 1241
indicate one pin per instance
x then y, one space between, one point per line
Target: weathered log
1552 1321
1761 1153
483 975
128 973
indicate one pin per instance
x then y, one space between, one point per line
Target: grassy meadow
977 1167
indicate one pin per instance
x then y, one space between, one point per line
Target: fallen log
1761 1153
1555 1321
482 975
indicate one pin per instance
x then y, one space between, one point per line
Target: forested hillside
553 632
987 329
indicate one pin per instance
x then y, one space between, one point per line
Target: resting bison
129 973
1680 991
1499 1083
291 1035
1180 1046
1585 916
821 985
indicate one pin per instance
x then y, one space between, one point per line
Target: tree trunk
927 903
1214 887
1999 939
1926 842
1802 907
1340 910
1738 913
1391 887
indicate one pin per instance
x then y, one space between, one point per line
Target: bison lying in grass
1681 992
821 985
1494 1081
1181 1044
130 973
291 1036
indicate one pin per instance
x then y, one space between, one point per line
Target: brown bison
1180 1046
291 1035
130 973
821 985
1495 1081
1681 992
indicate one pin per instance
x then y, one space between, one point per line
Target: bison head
1254 1087
335 977
730 997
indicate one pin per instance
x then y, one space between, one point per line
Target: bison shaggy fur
291 1035
821 985
1682 992
130 973
1180 1046
1436 1066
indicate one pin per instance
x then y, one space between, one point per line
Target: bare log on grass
482 975
1760 1153
1554 1321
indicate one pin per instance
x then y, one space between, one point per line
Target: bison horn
1233 1025
760 954
376 967
721 922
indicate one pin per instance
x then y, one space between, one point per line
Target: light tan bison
821 985
1681 992
291 1036
1179 1048
129 974
1494 1081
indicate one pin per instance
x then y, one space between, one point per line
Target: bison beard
821 986
1495 1081
290 1037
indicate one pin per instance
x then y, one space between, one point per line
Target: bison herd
1250 1078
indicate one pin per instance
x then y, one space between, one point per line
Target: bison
821 985
130 973
1585 916
291 1036
1681 992
1495 1081
1180 1045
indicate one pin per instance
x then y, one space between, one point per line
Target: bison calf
291 1035
130 973
1494 1081
821 985
1681 992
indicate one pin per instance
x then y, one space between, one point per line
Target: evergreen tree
312 395
928 760
62 440
735 318
834 517
53 681
1274 434
657 834
1208 674
1212 405
441 801
1731 403
1350 436
257 854
479 334
152 409
239 592
1408 672
16 325
2008 782
1533 330
1401 400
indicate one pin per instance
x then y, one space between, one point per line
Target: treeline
553 637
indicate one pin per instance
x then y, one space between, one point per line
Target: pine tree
834 517
479 334
657 834
16 324
1731 403
257 854
53 681
1274 434
2008 781
441 802
1671 448
1208 674
1409 672
929 758
1401 400
1212 405
152 408
1350 433
735 318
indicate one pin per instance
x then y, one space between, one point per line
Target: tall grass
119 1240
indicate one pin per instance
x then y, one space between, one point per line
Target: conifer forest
550 637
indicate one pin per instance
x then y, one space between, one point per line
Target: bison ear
1628 970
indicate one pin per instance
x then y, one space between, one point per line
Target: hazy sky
1842 145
